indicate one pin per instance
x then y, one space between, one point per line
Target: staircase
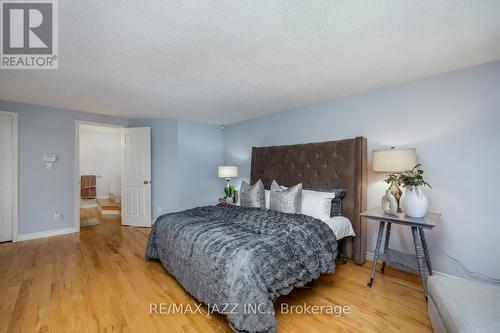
109 206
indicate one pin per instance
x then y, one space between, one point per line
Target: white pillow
237 188
341 226
317 204
314 203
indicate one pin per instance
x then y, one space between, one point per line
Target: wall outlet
159 209
58 216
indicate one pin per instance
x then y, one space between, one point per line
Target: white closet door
6 176
136 177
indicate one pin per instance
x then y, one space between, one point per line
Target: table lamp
228 172
393 161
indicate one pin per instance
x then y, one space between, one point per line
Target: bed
239 260
340 164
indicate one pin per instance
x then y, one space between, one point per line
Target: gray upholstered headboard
322 166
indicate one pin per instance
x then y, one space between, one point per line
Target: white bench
462 306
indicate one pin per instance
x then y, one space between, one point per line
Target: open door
136 177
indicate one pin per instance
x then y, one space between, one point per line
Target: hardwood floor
98 281
92 212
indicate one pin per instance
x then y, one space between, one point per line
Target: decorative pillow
341 226
252 195
267 195
317 204
337 202
286 200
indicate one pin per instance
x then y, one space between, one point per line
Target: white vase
415 203
389 203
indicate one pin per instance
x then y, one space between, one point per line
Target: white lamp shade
228 171
394 160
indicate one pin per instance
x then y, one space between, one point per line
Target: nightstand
223 201
235 199
417 229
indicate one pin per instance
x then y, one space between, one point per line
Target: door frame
15 170
77 165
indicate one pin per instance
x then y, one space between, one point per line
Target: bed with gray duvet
239 260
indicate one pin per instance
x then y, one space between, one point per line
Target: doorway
112 175
8 176
99 174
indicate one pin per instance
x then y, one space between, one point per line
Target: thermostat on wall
49 160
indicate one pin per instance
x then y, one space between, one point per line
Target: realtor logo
29 36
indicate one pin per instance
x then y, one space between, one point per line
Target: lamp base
396 192
229 188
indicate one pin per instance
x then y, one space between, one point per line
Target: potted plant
229 191
415 203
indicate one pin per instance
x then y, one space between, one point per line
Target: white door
136 177
6 176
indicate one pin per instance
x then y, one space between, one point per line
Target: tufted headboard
328 165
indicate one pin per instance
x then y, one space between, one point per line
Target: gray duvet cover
239 260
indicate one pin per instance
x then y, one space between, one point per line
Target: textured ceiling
226 61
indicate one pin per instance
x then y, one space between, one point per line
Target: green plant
413 177
229 190
393 177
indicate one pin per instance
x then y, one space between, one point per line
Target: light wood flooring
98 281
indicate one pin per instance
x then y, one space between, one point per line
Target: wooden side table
417 230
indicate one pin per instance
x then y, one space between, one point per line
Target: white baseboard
111 212
370 255
43 234
447 275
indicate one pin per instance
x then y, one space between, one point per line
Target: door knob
146 182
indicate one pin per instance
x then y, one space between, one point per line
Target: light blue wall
200 153
42 192
185 156
453 120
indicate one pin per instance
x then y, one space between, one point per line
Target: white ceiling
226 61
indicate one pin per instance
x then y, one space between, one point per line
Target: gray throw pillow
252 195
336 209
287 200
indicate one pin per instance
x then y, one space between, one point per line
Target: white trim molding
48 233
111 212
370 255
15 171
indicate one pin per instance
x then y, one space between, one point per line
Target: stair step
115 197
106 204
